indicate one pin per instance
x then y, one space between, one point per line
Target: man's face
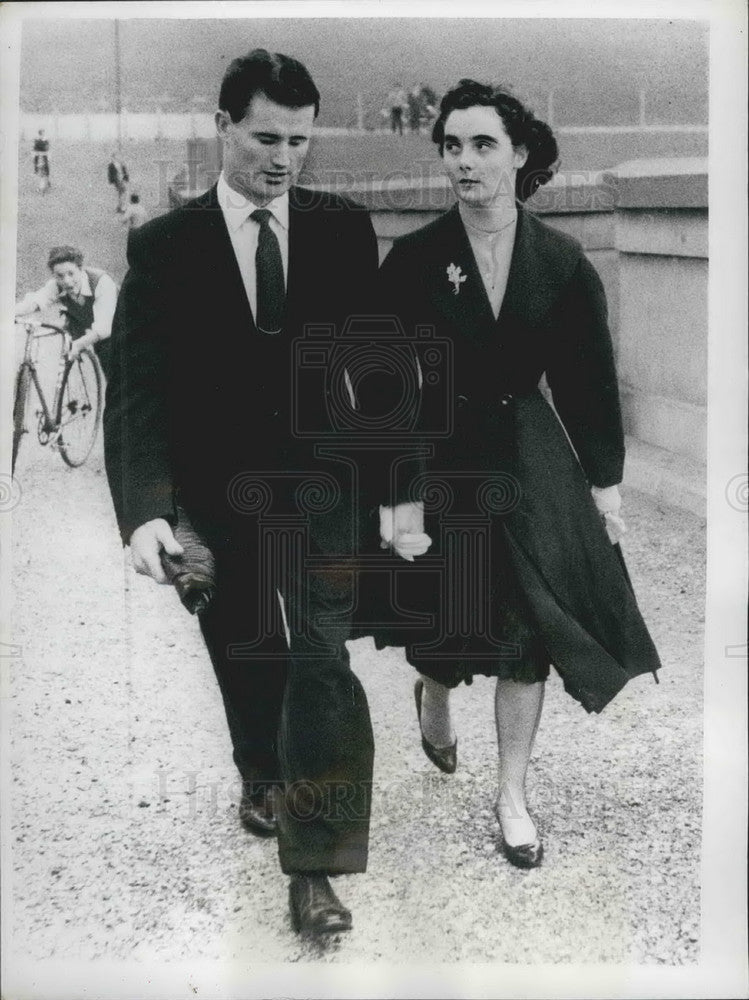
68 277
265 151
479 158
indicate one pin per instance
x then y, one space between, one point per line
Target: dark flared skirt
521 574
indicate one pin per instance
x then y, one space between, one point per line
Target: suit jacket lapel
215 250
299 250
213 246
308 252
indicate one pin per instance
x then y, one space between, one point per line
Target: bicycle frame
29 362
66 424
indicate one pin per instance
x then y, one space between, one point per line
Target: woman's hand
608 503
402 529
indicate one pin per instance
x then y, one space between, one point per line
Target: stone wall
661 240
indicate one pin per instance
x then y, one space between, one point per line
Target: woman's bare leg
436 724
517 709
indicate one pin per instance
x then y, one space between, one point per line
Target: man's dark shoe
315 908
256 813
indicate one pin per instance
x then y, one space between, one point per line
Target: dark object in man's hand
193 574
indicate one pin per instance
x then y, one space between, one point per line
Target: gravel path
125 842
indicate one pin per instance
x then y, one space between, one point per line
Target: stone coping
678 182
635 184
567 193
681 182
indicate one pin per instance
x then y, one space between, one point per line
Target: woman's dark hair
279 77
64 255
521 125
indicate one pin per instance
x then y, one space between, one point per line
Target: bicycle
70 424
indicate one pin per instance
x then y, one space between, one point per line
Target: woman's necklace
494 231
488 240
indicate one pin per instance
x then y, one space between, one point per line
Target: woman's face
479 158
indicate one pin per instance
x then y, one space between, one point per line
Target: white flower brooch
456 276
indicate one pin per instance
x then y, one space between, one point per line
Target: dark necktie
269 275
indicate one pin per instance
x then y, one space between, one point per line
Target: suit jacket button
461 401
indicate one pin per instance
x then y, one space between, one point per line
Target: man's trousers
297 714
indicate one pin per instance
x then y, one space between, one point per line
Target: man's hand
146 543
608 503
402 528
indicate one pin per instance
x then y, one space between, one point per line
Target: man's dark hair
521 125
281 78
64 255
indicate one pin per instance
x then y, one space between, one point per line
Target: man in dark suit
208 413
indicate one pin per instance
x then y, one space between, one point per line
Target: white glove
608 503
402 529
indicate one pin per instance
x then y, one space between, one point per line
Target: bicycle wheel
20 397
79 408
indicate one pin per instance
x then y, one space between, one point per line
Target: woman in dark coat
521 503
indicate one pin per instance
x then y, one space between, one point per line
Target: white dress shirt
244 231
105 301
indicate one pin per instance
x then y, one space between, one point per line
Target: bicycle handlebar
38 325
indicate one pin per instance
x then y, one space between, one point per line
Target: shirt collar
237 208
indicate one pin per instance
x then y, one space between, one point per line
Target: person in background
85 296
428 103
135 214
41 161
414 108
118 177
397 105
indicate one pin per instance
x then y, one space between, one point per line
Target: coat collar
542 262
211 244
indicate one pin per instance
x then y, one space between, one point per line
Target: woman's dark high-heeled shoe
523 855
445 758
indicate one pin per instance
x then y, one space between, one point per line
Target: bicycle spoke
79 410
83 384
